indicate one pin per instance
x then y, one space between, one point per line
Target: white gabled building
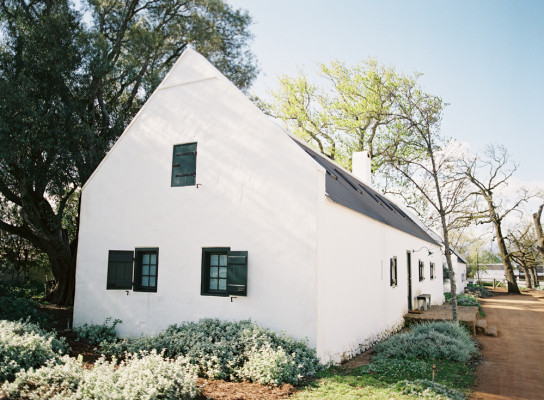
206 208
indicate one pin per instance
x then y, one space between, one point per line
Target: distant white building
488 272
205 207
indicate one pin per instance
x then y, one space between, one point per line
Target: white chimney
360 167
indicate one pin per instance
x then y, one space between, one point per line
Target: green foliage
478 291
431 341
466 300
357 109
229 350
139 376
28 290
426 389
95 334
15 309
24 345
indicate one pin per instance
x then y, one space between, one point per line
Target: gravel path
513 362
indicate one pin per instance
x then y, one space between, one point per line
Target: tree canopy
71 80
355 108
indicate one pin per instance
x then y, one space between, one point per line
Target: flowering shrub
95 334
221 350
435 340
139 376
24 345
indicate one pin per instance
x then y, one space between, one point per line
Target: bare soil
513 362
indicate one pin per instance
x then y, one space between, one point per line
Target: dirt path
513 362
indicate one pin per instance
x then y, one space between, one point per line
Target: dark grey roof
344 189
459 256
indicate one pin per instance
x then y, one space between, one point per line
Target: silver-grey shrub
140 376
430 341
24 345
221 350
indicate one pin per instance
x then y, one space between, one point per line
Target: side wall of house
357 305
461 280
256 191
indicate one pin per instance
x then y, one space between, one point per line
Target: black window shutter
237 273
120 269
184 165
391 279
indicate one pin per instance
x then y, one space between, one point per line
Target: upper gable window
184 165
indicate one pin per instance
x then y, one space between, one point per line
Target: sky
485 58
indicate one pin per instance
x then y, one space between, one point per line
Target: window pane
145 258
222 284
214 259
145 281
145 269
222 272
213 272
153 258
152 281
223 260
213 284
153 270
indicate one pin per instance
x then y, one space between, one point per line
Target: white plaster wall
356 304
460 269
258 192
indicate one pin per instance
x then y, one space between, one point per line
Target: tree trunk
528 277
508 269
534 274
538 229
62 259
453 282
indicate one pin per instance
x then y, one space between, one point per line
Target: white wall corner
361 167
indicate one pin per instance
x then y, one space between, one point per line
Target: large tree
524 242
422 171
489 174
70 80
352 109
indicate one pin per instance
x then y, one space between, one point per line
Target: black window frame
236 277
421 270
432 270
207 252
138 269
393 271
184 153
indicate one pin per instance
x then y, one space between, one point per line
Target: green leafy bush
221 350
463 300
479 291
96 334
28 290
466 300
24 345
15 309
435 340
139 376
425 389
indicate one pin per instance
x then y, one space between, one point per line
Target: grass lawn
383 381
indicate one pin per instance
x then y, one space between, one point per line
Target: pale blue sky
485 58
